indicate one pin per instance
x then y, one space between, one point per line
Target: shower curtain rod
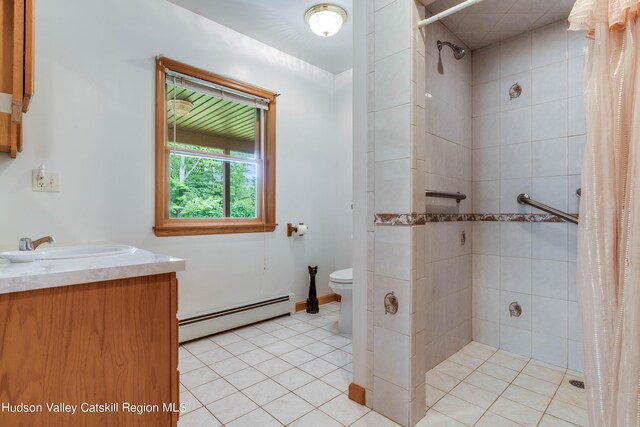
444 14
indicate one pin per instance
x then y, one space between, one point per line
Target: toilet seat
342 276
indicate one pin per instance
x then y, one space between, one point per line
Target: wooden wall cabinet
97 343
17 27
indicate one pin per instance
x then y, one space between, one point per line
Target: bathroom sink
85 251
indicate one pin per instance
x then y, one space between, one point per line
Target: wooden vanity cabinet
97 343
17 23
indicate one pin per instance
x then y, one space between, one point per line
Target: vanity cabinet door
103 343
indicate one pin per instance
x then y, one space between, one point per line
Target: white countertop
16 277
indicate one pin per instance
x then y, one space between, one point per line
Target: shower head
458 52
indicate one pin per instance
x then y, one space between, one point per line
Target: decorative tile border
421 219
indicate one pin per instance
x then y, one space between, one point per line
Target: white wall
92 120
343 169
532 144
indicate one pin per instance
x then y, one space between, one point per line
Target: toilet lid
342 276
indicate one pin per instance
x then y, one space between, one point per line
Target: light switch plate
50 183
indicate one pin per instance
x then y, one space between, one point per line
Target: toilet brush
312 300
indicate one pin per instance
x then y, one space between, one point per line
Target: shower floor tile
484 386
292 370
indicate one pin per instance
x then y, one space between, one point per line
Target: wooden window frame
266 219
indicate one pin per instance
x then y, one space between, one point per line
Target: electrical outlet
49 182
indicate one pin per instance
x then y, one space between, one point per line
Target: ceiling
280 24
493 20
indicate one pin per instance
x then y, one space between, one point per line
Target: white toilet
341 282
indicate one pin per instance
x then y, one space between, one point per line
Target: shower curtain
609 230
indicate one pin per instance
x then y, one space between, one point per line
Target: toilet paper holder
293 228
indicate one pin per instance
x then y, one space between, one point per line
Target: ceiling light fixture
180 106
325 19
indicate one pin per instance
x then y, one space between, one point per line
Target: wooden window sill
195 230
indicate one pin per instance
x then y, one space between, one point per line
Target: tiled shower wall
448 162
396 351
532 144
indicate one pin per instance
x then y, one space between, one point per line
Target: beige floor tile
492 420
453 369
528 398
337 357
279 347
318 348
509 360
198 377
572 395
240 347
339 379
288 408
297 357
264 339
459 410
183 352
440 380
478 350
317 392
284 333
544 372
265 391
225 338
568 412
336 341
293 378
248 332
434 418
228 366
318 367
256 356
464 359
210 392
373 419
190 402
474 395
245 378
231 407
315 418
344 410
516 412
190 363
198 418
273 366
200 346
496 371
550 421
213 356
255 418
300 341
486 382
539 386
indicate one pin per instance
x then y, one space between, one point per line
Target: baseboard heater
224 319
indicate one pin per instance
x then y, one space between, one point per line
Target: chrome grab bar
444 195
524 199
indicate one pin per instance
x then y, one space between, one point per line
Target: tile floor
484 386
293 370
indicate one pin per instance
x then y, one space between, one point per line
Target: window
215 153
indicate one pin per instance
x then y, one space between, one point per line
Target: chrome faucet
26 244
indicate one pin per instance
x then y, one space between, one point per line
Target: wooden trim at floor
323 299
356 393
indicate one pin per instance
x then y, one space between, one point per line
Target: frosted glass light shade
325 19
